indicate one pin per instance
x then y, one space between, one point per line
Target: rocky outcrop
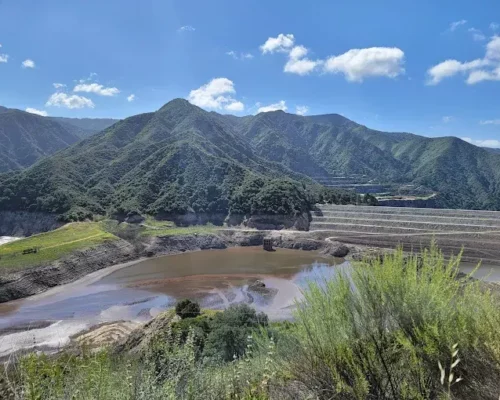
23 223
335 249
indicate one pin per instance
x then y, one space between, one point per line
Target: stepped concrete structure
477 232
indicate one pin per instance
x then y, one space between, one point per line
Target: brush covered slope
26 138
176 161
464 175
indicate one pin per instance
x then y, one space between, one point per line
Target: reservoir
138 291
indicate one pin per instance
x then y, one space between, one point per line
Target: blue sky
428 67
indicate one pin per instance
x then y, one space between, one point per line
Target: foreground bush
187 309
400 328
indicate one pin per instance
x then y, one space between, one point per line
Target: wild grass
382 332
52 245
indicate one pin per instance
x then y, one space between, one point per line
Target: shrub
382 331
230 330
187 309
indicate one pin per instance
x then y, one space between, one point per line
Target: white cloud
494 26
96 88
357 64
216 95
59 85
240 56
477 35
447 118
4 58
456 24
298 64
131 98
37 112
301 110
490 122
483 69
60 99
281 43
483 75
493 48
235 106
281 105
483 143
186 28
28 63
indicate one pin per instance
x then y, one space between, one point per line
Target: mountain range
25 138
182 159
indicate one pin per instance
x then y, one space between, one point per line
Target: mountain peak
177 104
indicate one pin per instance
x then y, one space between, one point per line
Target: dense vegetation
398 328
179 160
25 138
183 160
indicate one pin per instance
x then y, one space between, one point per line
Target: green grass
168 228
52 245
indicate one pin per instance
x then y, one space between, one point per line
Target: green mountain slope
465 176
25 138
176 161
84 127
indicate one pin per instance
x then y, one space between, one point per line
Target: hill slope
85 127
25 138
179 160
465 176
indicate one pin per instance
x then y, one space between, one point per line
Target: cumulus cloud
59 85
483 143
4 58
483 69
301 110
239 56
37 112
186 28
355 64
28 63
281 43
456 24
281 105
447 118
298 63
61 99
494 26
96 88
490 122
358 64
216 95
131 98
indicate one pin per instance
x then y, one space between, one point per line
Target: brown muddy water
138 291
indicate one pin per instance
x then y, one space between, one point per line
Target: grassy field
153 227
52 245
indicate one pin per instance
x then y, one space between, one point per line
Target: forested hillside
175 161
182 159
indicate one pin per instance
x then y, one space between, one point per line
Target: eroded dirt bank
36 280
